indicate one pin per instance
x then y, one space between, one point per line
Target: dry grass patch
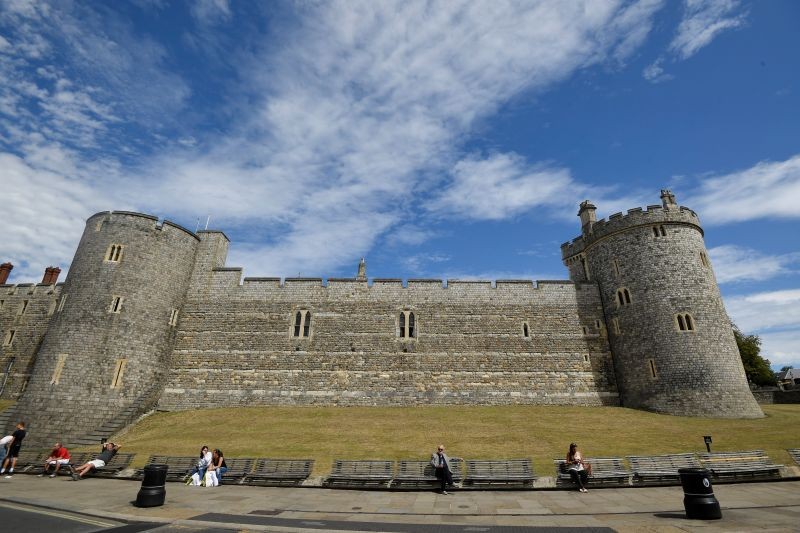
542 433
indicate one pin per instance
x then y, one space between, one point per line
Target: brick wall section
29 328
235 344
698 373
152 277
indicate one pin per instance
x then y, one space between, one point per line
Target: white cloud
781 348
703 20
501 186
735 263
766 190
211 11
352 115
775 317
765 310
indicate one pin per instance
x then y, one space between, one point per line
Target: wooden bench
795 454
735 465
31 461
117 464
510 473
178 467
360 474
605 471
660 469
415 474
277 472
238 468
75 459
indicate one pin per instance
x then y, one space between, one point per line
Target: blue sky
440 140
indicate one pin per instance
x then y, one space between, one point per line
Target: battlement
228 282
30 289
652 214
143 220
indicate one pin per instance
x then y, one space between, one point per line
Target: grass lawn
542 433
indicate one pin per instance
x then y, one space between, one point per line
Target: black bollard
153 489
698 494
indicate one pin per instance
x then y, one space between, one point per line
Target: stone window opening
62 302
584 330
615 266
2 303
685 322
652 367
585 267
659 231
119 369
114 253
623 297
302 324
615 326
52 308
407 324
585 358
23 307
173 318
9 340
526 331
62 359
116 304
704 260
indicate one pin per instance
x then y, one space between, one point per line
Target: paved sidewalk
745 507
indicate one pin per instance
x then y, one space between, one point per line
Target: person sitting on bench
58 456
109 451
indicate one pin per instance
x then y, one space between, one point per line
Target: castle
150 317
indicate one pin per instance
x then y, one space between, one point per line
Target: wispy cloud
765 310
766 190
356 118
702 22
736 263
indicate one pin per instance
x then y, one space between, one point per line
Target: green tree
756 368
787 367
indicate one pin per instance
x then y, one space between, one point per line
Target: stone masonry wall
29 328
90 339
697 373
235 343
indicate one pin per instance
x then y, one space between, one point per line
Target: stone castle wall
29 327
659 257
235 345
231 341
94 362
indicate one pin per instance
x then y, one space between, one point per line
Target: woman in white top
199 470
578 469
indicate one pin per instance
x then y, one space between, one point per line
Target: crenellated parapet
652 215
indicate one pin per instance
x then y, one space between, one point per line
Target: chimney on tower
668 199
51 275
5 270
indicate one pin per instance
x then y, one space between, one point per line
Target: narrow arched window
525 332
114 253
298 321
407 325
627 296
623 297
684 321
307 324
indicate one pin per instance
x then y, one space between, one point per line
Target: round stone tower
671 339
107 348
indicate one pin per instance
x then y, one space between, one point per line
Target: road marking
57 514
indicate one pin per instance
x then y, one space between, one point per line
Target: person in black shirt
216 468
109 451
13 450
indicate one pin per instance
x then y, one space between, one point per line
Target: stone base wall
777 396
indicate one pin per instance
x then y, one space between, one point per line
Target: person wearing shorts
13 450
58 456
109 451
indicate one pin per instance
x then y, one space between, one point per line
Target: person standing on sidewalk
13 450
441 463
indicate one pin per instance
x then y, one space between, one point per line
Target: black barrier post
698 494
153 491
707 440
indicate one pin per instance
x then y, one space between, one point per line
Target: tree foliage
756 368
